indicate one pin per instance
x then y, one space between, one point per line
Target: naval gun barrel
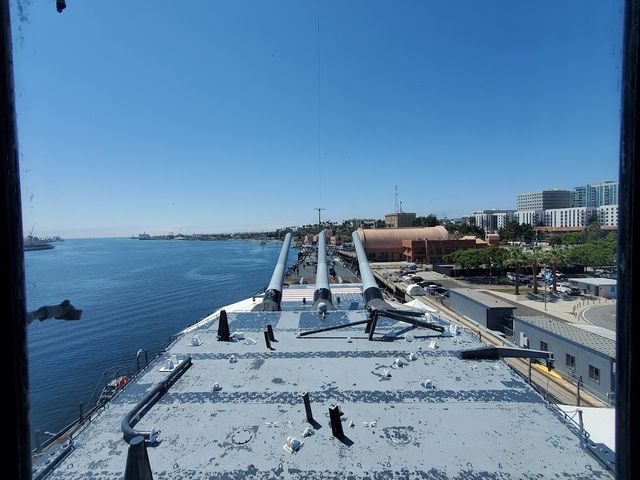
322 292
273 295
370 291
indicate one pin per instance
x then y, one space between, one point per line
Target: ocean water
134 294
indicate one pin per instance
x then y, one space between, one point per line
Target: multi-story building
399 219
492 220
569 217
607 215
544 200
606 193
596 195
529 217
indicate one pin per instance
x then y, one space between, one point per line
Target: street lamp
545 294
490 265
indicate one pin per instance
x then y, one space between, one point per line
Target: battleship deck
478 419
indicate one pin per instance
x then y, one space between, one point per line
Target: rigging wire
318 94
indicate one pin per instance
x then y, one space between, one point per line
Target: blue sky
212 116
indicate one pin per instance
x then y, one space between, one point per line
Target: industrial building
433 251
581 354
486 310
385 244
598 287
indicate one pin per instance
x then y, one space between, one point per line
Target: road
601 315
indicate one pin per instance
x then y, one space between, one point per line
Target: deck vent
322 307
428 383
432 345
413 356
195 341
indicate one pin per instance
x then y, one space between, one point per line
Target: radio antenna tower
396 204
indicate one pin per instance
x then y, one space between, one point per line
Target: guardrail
86 417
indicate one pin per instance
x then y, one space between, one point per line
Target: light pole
319 209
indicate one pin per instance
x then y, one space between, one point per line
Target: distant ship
34 243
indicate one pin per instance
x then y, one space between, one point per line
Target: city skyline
247 123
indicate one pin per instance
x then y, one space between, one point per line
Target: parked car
568 289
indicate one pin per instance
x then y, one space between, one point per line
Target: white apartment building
492 220
608 215
569 217
529 217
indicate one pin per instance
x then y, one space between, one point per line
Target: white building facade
569 217
608 215
529 217
492 220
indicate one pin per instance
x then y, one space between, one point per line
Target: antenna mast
396 204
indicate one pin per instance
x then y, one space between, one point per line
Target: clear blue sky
206 116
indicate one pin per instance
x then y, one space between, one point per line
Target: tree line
592 254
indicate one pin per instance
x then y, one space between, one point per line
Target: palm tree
557 257
516 258
536 257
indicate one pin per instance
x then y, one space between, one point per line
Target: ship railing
86 417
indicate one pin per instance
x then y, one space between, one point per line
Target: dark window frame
596 374
570 361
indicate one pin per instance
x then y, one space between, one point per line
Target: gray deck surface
479 421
